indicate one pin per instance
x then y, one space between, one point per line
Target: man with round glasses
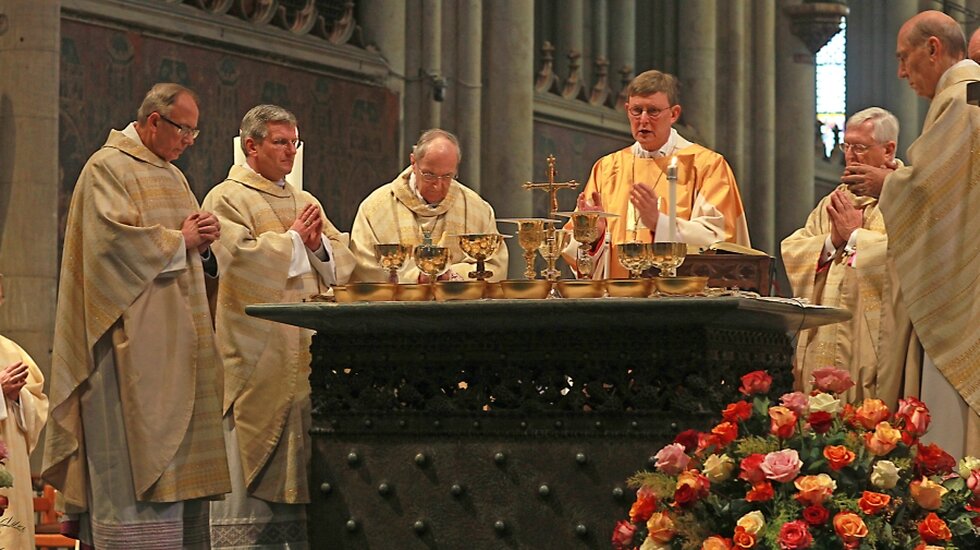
632 182
276 246
424 202
134 439
838 258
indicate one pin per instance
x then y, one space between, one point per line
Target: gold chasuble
930 209
393 213
709 208
267 365
20 426
854 282
123 229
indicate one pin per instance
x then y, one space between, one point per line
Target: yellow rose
815 489
718 468
753 522
824 402
660 528
884 475
927 494
967 465
883 440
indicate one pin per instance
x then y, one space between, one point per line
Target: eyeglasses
280 142
636 111
184 131
432 178
859 149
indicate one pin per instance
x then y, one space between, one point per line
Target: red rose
932 460
622 537
689 439
820 421
751 470
816 514
756 382
726 432
646 503
932 529
760 492
737 412
795 535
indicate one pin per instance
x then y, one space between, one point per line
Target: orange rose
838 456
660 528
726 433
883 440
871 503
782 421
850 528
933 529
871 412
927 493
743 538
716 543
814 489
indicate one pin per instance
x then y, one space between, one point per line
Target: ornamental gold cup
668 257
635 256
554 244
480 247
431 260
391 257
585 229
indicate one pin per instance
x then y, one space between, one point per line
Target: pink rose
973 482
672 460
832 379
915 413
796 402
782 466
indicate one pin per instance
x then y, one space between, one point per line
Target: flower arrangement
808 472
6 480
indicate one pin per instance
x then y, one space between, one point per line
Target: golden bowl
341 296
629 288
371 292
493 291
459 290
583 288
535 289
680 286
411 292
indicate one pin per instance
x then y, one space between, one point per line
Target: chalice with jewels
480 247
585 229
391 257
431 260
531 233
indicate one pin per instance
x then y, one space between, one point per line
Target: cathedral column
622 46
383 24
30 49
469 90
761 201
697 65
431 60
571 35
508 112
733 108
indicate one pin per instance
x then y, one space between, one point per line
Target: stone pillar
622 46
469 90
30 48
734 31
697 66
600 30
508 113
431 60
761 202
571 35
383 25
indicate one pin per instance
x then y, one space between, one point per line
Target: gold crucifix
551 186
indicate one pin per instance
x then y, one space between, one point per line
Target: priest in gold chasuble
276 246
838 259
930 209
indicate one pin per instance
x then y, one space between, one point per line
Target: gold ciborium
668 257
391 257
551 249
635 256
480 247
585 229
531 233
431 260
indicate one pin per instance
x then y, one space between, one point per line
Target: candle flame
673 162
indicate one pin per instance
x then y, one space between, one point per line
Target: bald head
973 49
928 44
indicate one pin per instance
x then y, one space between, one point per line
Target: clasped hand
12 378
200 229
309 225
865 180
844 218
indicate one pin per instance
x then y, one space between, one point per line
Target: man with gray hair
276 246
424 202
838 259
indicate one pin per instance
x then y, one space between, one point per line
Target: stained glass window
831 88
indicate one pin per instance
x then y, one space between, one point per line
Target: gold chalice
392 257
480 247
530 234
585 229
634 256
668 257
432 260
551 249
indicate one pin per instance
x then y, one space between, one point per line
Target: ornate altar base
513 424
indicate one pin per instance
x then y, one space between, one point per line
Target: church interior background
516 80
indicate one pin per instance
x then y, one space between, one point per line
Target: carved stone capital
815 23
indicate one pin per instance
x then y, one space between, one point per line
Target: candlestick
672 198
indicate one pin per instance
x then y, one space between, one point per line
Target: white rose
824 402
884 475
753 522
967 465
718 468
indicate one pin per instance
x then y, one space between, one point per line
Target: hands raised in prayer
583 204
200 229
865 180
844 218
13 377
309 225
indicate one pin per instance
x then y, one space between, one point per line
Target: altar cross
551 186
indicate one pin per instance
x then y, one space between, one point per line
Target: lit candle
672 198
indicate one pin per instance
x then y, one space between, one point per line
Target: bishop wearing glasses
424 202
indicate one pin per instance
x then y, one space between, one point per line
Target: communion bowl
413 292
521 289
371 292
493 291
341 296
582 288
459 290
480 246
629 288
680 286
